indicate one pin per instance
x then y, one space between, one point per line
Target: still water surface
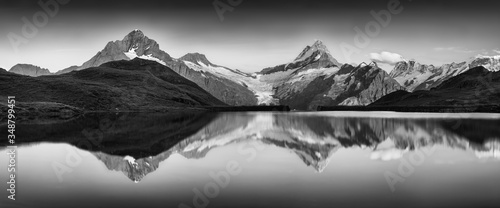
258 160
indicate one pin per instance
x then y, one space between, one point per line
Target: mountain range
474 87
415 76
313 78
137 45
138 85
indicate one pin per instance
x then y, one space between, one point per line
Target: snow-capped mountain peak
491 63
197 58
316 49
415 76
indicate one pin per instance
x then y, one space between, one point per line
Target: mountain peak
29 70
373 64
319 45
318 51
136 32
318 42
197 58
134 36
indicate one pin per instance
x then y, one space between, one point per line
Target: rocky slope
315 78
121 85
137 45
475 87
415 76
29 70
199 63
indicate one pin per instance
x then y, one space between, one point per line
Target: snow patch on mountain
262 90
132 54
130 160
313 73
413 80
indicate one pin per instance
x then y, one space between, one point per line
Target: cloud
496 51
386 57
388 154
455 49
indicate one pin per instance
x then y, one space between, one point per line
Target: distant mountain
415 76
120 85
476 86
314 56
315 78
491 63
29 70
137 45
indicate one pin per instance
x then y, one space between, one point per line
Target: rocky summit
29 70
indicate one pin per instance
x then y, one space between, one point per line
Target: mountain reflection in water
136 144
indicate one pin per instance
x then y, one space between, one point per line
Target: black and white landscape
236 103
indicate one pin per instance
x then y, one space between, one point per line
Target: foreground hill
115 86
476 87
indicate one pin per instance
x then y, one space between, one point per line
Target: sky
253 34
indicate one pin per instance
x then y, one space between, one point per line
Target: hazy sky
257 33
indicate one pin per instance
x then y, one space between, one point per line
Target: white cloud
455 49
496 51
386 57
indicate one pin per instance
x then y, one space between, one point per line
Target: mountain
198 62
120 85
137 45
316 56
315 78
29 70
474 87
491 63
415 76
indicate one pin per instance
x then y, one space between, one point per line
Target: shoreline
416 109
62 111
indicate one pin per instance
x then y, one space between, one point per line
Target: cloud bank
386 57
